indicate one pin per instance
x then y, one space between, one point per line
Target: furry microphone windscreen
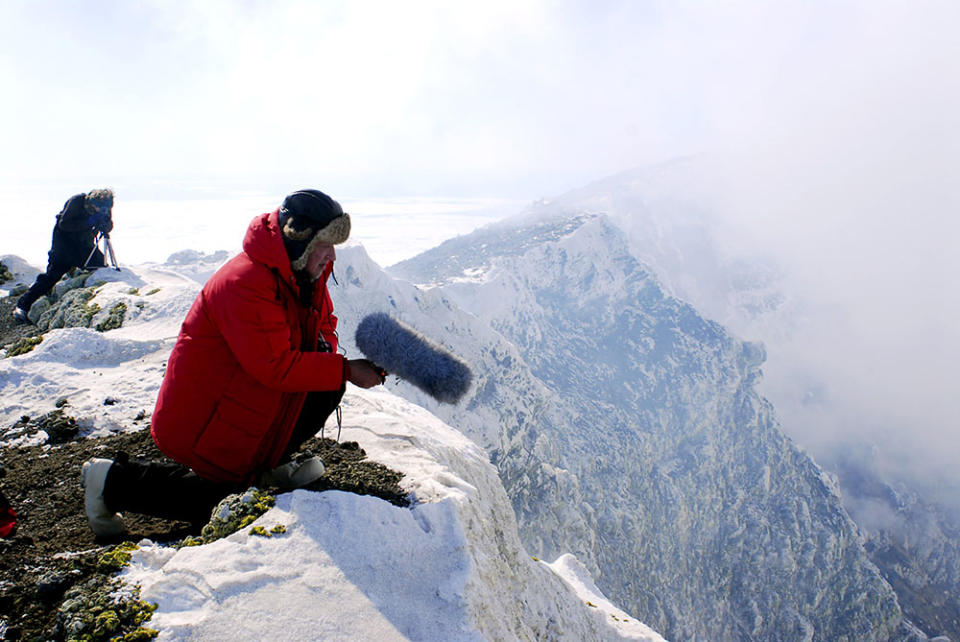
404 352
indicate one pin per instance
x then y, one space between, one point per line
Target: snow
578 578
449 567
87 367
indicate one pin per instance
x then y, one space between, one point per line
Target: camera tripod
108 253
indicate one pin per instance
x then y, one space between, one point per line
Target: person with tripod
82 221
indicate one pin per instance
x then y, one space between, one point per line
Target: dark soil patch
53 549
10 331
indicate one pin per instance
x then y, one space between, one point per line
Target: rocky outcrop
644 447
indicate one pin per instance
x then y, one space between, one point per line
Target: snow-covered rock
449 567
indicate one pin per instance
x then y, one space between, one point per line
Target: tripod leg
96 246
113 257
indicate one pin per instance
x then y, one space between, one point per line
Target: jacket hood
263 243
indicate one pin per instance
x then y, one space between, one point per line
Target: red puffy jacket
244 362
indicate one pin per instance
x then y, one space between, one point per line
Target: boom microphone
403 351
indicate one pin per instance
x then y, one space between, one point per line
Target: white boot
293 474
20 316
102 521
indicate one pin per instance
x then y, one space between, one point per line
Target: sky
498 98
831 130
505 99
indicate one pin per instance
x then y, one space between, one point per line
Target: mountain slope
835 393
914 542
656 462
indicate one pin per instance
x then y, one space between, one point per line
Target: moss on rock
70 311
104 609
23 345
114 318
232 514
116 558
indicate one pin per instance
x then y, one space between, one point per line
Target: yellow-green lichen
152 292
103 609
262 531
114 319
234 513
23 346
140 635
106 624
116 558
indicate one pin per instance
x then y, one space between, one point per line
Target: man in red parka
254 373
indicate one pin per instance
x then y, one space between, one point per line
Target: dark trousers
173 491
58 264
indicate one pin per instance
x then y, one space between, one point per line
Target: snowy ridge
456 568
654 459
348 567
661 211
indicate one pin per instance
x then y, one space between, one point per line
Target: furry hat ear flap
309 217
334 233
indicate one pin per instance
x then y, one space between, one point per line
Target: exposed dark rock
59 426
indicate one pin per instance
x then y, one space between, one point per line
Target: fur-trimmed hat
101 197
308 217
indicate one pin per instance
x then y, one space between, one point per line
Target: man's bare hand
365 374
